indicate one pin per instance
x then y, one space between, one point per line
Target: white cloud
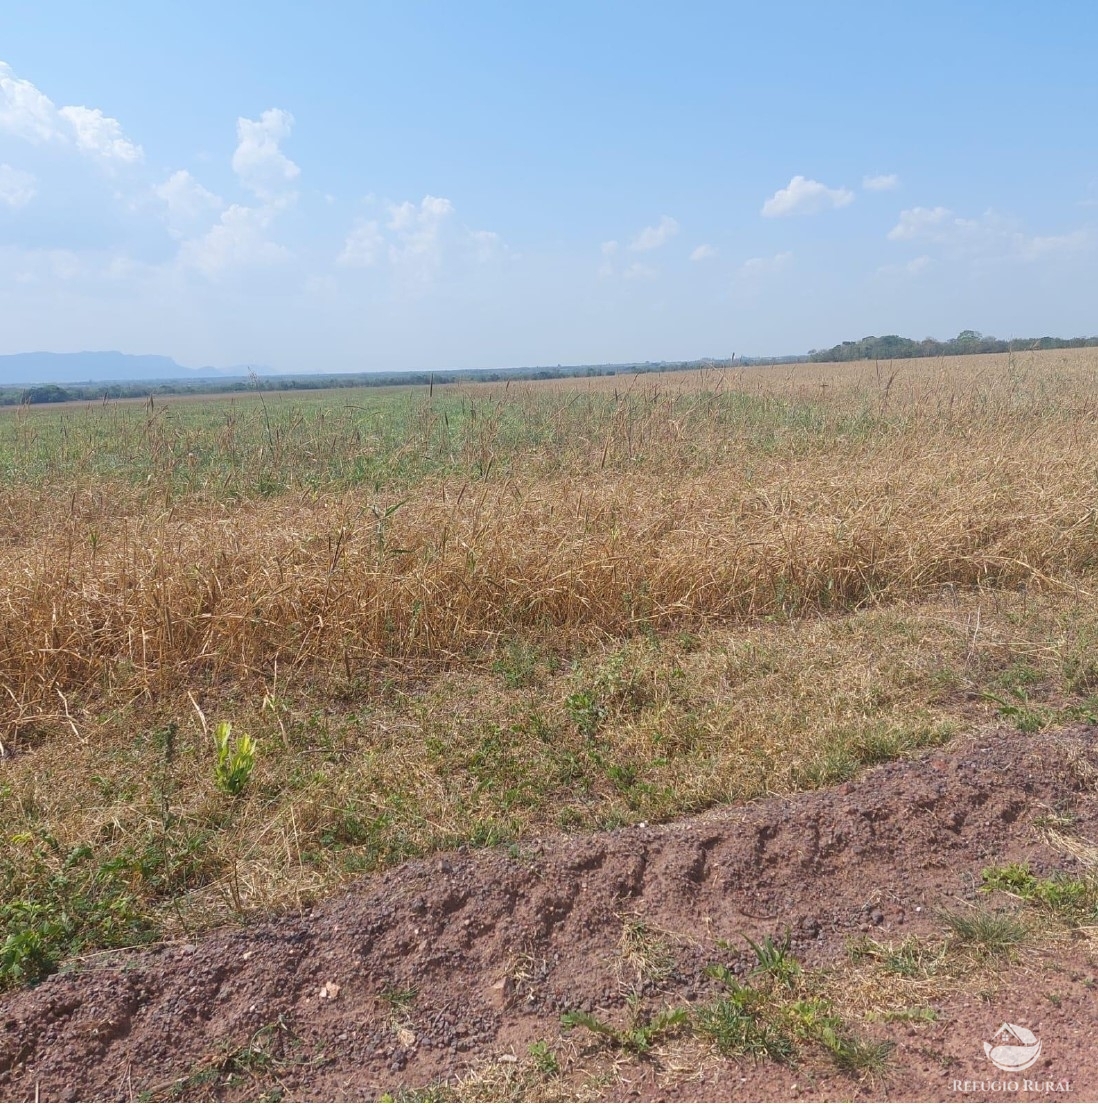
417 250
408 218
638 271
487 244
805 197
100 135
885 182
416 238
703 253
990 237
1077 241
364 245
652 237
17 188
258 160
189 206
42 266
915 267
25 112
30 114
764 266
919 222
238 240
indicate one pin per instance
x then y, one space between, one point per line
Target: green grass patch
1073 899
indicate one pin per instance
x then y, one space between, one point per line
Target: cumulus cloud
487 244
240 236
238 240
30 114
703 253
917 222
416 250
364 245
652 237
258 160
25 112
188 206
101 136
885 182
805 197
408 218
17 188
415 239
990 237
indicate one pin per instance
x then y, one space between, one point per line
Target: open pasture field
494 612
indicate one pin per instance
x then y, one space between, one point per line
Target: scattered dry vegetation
478 615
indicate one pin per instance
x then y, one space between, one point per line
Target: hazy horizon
420 187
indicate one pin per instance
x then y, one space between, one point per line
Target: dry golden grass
101 590
571 605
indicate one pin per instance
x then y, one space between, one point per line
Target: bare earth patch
449 977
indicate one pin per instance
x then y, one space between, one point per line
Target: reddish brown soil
497 944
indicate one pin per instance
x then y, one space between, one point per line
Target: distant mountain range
30 369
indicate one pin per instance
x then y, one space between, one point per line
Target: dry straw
588 511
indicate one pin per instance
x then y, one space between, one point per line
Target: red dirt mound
462 962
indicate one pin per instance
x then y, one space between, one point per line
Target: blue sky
405 185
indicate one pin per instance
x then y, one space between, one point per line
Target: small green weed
737 1024
775 960
641 1034
1074 899
853 1054
769 1020
586 710
817 1020
518 665
544 1058
985 932
1018 709
400 1001
235 760
913 958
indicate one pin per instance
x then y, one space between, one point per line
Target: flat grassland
491 612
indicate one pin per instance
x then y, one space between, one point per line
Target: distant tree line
891 347
98 392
